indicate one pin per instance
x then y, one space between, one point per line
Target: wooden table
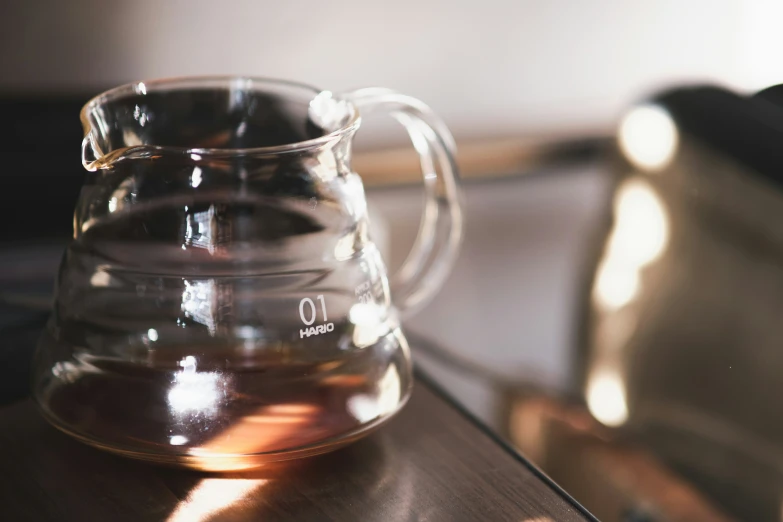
430 463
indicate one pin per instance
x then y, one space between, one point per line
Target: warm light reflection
606 397
354 198
199 303
648 137
100 277
195 178
639 237
67 371
268 428
178 440
194 391
385 400
213 495
616 284
641 224
125 194
328 112
201 228
323 165
345 247
140 116
369 324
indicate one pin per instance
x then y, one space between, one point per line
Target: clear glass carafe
222 303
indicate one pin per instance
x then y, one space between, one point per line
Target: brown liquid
201 416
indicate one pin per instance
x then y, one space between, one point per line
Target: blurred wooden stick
479 159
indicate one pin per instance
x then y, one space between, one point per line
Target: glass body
222 304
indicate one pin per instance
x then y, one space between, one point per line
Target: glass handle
89 156
440 232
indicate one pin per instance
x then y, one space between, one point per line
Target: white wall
488 67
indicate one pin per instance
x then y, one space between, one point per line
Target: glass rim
247 83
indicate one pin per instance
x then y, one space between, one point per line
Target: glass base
219 462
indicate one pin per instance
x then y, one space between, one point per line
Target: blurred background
489 69
537 95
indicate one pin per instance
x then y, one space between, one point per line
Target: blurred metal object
682 339
482 159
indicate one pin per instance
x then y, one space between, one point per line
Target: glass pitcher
222 304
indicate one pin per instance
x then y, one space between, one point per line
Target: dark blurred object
682 339
27 274
41 176
42 171
18 342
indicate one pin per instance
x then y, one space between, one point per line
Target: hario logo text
316 330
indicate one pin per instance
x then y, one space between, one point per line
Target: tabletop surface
430 463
